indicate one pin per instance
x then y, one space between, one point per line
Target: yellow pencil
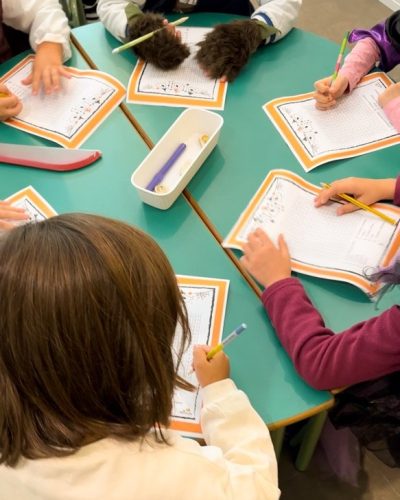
362 205
143 38
232 336
3 94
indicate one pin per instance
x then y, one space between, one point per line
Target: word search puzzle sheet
357 125
205 300
185 86
320 242
69 116
33 204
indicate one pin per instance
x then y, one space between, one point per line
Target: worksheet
357 125
35 206
321 243
205 300
69 116
185 86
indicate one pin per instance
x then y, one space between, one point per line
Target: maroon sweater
325 359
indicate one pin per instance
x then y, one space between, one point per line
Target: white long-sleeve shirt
238 462
44 20
278 13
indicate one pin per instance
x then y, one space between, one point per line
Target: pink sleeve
325 359
392 111
361 59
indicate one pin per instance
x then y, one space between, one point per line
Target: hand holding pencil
10 105
329 89
209 371
365 191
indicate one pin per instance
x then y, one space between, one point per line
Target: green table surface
250 146
259 364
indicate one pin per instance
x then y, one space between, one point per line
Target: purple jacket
325 359
387 37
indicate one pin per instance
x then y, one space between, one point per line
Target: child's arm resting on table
326 360
238 440
48 30
226 50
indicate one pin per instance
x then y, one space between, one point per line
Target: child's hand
367 191
9 213
326 94
266 262
208 372
389 94
9 105
47 68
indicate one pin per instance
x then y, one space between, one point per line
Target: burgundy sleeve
326 360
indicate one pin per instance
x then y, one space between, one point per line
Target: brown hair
88 312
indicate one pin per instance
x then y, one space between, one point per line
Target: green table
250 146
259 364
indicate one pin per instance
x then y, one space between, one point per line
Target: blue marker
159 176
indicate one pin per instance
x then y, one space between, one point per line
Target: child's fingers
63 71
346 208
55 79
5 225
283 246
323 85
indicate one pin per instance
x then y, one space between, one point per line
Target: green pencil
143 38
340 56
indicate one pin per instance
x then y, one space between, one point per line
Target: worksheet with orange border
205 300
185 86
69 116
321 243
355 126
33 203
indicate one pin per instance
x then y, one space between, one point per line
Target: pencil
143 38
340 56
3 94
362 205
227 340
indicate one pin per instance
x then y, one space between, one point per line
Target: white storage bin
199 130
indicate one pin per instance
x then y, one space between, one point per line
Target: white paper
355 243
200 303
187 81
65 112
26 199
355 124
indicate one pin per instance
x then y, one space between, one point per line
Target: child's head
88 312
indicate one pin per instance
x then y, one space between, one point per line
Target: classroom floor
331 19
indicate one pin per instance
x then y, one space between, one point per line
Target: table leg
310 435
277 440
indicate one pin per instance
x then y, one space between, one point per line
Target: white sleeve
230 423
112 15
44 20
281 14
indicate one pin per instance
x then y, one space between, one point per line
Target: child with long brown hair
88 313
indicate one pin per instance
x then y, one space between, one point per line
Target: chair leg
78 12
310 436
